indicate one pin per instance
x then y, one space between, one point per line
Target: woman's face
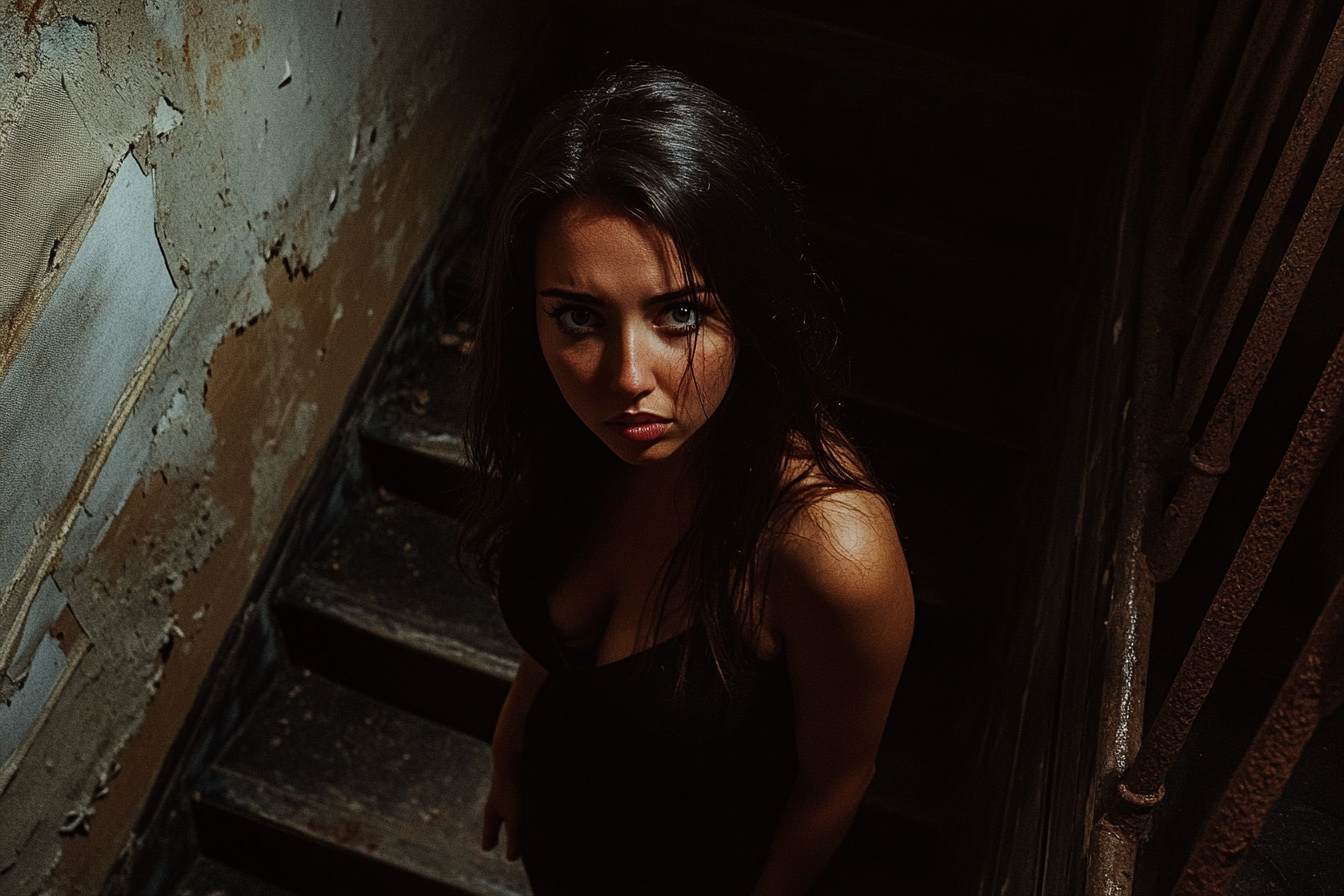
640 362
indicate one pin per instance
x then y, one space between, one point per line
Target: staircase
364 763
345 746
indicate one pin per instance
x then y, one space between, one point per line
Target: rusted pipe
1312 691
1186 510
1209 458
1317 432
1227 135
1220 50
1267 104
1216 54
1206 345
1110 858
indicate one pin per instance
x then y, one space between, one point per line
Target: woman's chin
643 453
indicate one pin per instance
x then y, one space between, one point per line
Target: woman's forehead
587 238
583 211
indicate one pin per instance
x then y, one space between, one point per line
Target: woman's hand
503 807
504 804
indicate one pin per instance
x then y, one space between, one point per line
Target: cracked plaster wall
207 210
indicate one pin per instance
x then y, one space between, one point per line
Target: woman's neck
667 489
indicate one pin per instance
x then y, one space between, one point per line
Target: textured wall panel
50 170
18 716
45 609
71 372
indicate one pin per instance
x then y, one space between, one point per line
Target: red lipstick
640 427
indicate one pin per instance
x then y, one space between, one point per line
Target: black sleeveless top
629 787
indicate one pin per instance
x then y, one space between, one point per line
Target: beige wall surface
207 211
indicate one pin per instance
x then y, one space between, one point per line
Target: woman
705 580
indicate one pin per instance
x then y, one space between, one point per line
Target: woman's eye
684 317
573 318
577 318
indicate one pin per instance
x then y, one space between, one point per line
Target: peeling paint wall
207 211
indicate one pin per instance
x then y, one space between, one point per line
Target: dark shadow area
954 160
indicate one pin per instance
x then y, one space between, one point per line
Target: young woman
704 578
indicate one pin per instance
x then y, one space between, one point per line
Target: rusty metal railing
1253 54
1209 458
1313 690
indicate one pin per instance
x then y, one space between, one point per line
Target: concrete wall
207 210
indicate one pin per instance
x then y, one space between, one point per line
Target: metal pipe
1110 858
1219 50
1267 106
1312 691
1140 789
1216 54
1227 135
1209 458
1206 345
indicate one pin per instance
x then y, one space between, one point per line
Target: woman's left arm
841 601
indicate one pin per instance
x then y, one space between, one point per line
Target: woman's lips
640 427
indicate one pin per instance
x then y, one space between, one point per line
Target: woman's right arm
503 805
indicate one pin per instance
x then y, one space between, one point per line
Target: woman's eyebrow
556 292
683 293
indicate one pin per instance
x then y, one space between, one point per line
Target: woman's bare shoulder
840 546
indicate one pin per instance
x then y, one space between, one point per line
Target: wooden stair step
208 877
415 454
412 427
469 633
422 407
327 789
399 560
384 608
393 425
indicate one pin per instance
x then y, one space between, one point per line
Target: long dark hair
673 153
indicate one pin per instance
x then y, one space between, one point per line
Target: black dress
631 788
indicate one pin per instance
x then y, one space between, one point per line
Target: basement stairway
343 748
364 763
363 766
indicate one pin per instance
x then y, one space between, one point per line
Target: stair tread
437 438
422 411
391 569
330 764
207 877
466 642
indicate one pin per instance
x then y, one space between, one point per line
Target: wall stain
222 27
30 14
244 41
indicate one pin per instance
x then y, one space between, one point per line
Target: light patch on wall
50 170
71 384
42 615
59 646
18 715
166 117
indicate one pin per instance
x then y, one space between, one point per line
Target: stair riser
408 679
429 480
308 867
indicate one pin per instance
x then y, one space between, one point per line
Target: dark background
961 165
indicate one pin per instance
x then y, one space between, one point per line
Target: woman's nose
632 363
